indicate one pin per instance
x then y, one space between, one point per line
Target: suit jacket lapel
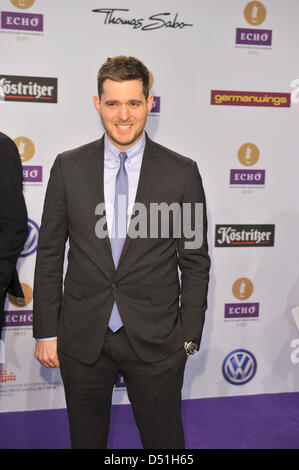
95 174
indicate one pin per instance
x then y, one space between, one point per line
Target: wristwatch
190 348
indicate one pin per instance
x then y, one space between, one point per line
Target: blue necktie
119 229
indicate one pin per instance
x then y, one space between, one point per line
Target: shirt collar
112 152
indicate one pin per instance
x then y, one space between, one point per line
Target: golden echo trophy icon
248 154
28 295
242 288
255 13
26 148
23 4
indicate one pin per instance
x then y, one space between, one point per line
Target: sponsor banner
239 367
254 37
22 21
248 155
242 289
244 235
32 174
31 243
243 311
250 98
247 177
28 89
156 105
17 318
255 13
6 376
123 17
22 4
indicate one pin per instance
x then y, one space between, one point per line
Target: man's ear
97 103
150 101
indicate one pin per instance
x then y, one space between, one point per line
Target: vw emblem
239 367
32 239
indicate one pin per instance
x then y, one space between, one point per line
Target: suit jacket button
114 286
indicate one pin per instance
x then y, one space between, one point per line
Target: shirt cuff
45 339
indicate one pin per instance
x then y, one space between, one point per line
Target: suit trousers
154 390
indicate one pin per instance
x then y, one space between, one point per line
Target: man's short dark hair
123 68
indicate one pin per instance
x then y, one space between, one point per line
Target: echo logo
242 290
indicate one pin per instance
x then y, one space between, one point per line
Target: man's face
123 109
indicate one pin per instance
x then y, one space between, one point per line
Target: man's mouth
123 127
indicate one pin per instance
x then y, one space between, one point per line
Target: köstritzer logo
244 235
28 89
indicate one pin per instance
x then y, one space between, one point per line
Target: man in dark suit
13 220
120 310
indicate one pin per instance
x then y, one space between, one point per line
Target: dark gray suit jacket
13 218
145 284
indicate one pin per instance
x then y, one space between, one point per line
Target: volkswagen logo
239 367
32 239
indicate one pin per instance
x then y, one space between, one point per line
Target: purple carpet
247 422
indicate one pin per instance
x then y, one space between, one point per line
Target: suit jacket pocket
165 294
73 288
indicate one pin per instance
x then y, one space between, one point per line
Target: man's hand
46 353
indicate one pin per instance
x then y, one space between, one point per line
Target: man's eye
111 105
134 105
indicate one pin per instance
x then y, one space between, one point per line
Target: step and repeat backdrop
226 87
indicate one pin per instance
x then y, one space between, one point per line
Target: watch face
191 348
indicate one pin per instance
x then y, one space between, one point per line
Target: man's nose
123 112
